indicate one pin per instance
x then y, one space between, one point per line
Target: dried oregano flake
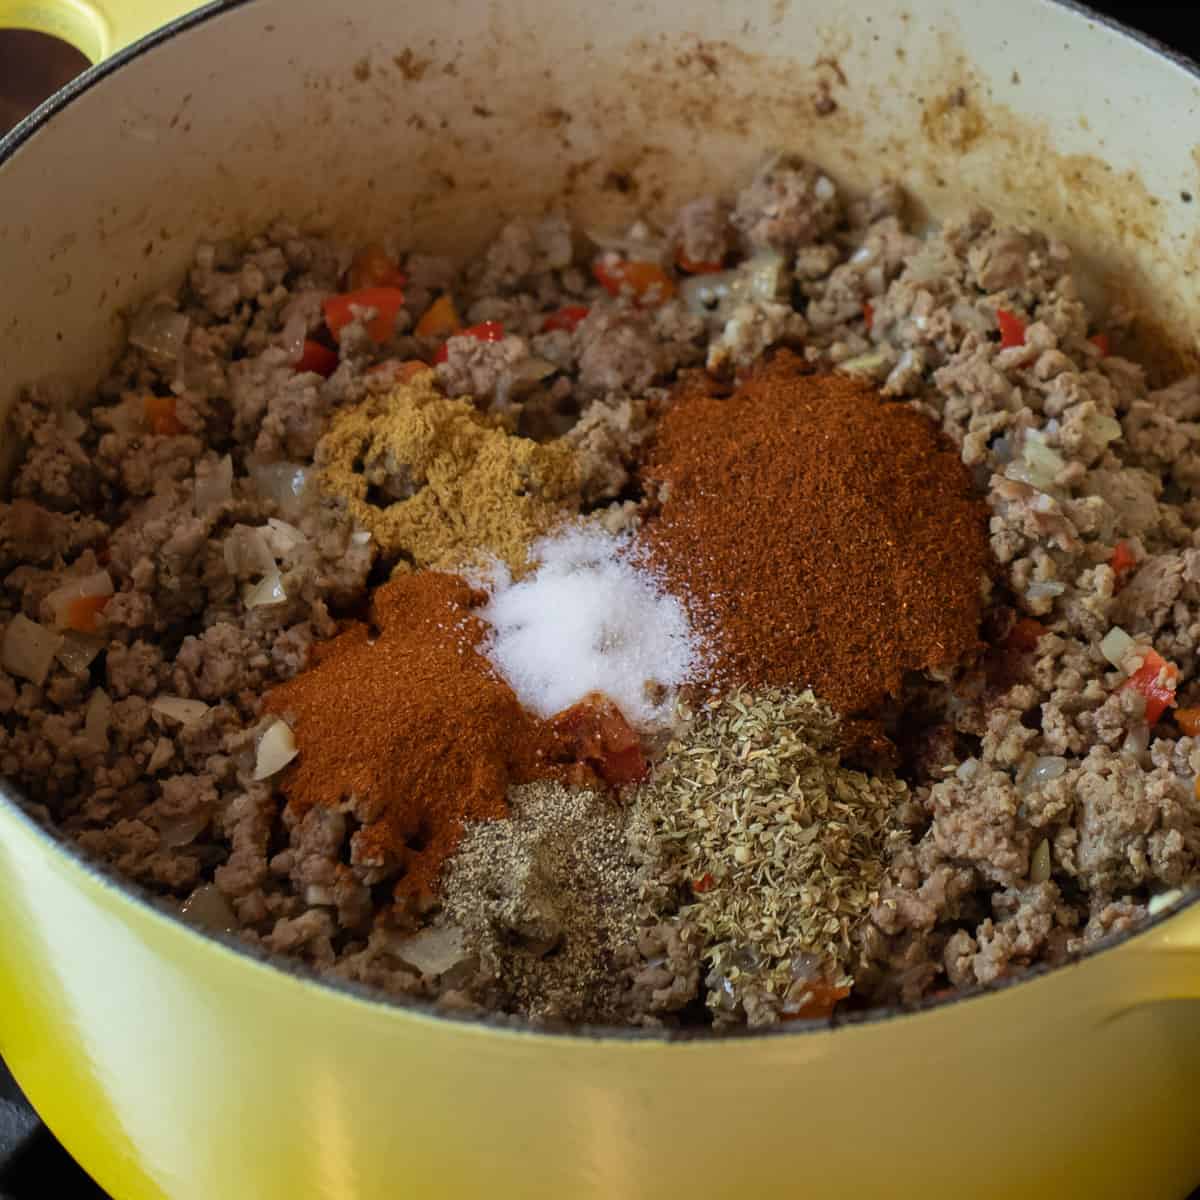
774 849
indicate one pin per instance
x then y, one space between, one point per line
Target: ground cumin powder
822 537
438 483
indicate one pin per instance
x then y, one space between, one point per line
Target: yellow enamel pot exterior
172 1065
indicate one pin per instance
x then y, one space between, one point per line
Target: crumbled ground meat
1045 811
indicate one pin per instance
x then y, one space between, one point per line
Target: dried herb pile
770 850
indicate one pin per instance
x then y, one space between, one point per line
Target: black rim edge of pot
162 909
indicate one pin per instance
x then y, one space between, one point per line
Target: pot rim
157 908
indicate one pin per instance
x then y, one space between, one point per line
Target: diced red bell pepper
374 267
160 415
868 314
705 883
1103 343
647 282
318 359
1155 679
1123 560
386 301
596 733
83 611
567 318
485 331
1012 329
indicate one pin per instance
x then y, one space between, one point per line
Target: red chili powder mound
407 725
821 536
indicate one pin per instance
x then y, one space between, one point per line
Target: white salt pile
590 619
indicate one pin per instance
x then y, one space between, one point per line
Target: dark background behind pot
32 1164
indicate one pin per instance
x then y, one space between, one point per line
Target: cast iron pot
172 1064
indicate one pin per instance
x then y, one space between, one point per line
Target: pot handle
97 28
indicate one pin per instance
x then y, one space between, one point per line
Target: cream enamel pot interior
174 1065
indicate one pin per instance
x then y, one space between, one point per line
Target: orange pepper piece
440 319
160 415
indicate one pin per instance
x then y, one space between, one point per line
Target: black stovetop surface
33 1166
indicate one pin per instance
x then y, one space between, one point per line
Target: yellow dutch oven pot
172 1064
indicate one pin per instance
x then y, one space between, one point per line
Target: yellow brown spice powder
440 484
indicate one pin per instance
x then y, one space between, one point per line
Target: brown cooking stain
952 122
410 65
362 70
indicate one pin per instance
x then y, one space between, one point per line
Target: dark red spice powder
821 536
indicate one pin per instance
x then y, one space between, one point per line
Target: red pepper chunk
1188 720
595 732
1155 679
318 359
705 883
1103 343
374 267
386 301
1012 329
1123 560
485 331
160 415
647 282
868 314
568 318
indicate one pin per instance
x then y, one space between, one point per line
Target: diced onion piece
1116 646
282 538
760 280
186 712
291 337
703 294
215 486
99 583
360 537
864 364
1039 866
1049 766
285 483
764 275
97 718
1163 900
208 908
160 331
317 894
967 769
247 552
1137 740
182 830
433 951
1102 428
1045 589
128 417
276 748
29 649
268 590
79 650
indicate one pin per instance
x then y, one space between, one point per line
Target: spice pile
438 483
777 850
547 899
822 536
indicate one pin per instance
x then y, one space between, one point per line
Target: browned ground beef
1042 749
